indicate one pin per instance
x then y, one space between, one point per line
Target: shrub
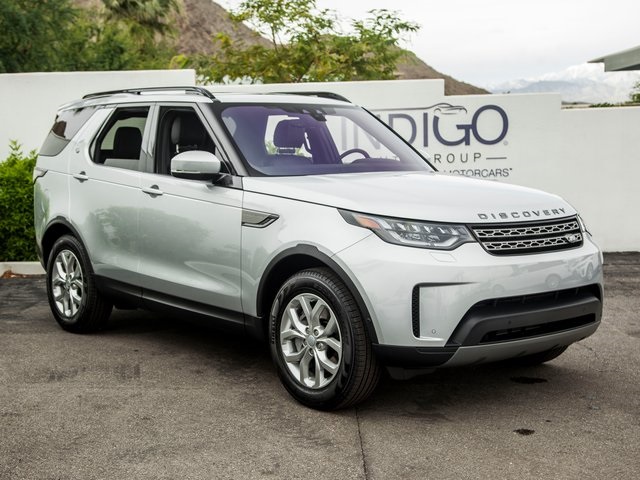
17 237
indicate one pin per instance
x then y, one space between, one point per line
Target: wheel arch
298 258
55 229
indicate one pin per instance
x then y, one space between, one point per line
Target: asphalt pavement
155 397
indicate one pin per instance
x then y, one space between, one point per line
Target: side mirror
196 165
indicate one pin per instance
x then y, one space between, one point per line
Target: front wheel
319 342
75 302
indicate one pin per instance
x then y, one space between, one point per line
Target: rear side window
66 125
119 144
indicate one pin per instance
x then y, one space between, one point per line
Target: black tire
357 373
537 358
92 310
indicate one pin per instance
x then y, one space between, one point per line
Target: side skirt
125 295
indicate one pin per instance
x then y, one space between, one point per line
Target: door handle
153 190
81 177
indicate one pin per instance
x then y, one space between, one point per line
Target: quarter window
66 125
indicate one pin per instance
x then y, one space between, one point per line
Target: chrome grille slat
530 237
532 230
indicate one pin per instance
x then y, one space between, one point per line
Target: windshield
282 140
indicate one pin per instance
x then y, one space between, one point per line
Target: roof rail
138 91
330 95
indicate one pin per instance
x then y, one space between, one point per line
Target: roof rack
330 95
139 91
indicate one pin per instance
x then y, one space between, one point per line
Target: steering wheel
362 152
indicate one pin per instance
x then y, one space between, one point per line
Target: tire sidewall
307 282
68 243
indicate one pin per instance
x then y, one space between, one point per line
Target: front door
189 229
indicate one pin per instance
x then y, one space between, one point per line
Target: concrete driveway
153 397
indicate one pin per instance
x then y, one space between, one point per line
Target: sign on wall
462 139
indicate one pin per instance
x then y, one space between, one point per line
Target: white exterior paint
30 100
591 157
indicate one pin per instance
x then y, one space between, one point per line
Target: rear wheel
319 342
75 302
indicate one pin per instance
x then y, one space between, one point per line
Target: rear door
105 191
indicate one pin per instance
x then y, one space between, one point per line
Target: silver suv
305 220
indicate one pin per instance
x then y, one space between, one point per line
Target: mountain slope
200 20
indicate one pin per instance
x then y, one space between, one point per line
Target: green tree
34 32
305 44
53 35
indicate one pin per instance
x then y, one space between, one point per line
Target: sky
492 41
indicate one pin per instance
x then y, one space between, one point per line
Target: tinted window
119 144
66 125
179 129
312 139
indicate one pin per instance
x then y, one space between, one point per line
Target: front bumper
507 328
431 308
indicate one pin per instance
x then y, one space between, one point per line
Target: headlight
438 236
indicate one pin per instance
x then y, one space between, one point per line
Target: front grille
541 299
507 334
531 237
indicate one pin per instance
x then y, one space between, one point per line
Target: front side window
180 129
311 140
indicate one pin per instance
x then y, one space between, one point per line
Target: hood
418 196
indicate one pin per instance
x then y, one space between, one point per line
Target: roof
201 95
620 61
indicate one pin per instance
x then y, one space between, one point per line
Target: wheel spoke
295 357
57 281
319 376
59 295
78 284
60 270
75 298
291 334
314 319
306 308
71 262
65 261
334 344
295 320
66 304
304 369
330 329
326 364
